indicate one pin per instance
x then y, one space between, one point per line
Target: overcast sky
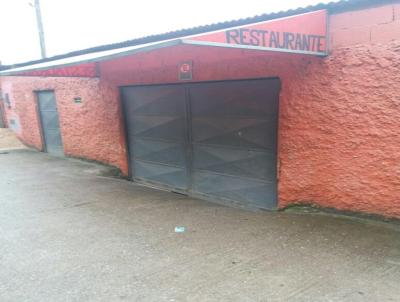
76 24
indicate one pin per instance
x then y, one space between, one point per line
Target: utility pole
40 28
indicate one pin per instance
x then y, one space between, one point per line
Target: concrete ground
8 140
69 233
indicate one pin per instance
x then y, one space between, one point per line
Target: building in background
297 107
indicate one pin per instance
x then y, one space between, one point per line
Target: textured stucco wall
9 112
90 130
340 145
339 141
339 116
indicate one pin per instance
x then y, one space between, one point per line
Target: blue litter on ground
179 229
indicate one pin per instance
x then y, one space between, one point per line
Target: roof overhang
304 34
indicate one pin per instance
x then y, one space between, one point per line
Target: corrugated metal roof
332 7
90 57
130 50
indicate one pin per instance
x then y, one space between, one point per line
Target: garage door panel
236 162
166 101
236 99
234 130
156 130
245 133
245 191
158 151
234 108
158 127
209 139
169 175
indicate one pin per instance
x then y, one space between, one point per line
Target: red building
297 107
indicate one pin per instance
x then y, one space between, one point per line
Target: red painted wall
89 130
339 116
81 70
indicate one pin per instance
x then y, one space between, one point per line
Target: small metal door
50 122
1 117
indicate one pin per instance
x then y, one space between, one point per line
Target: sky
76 24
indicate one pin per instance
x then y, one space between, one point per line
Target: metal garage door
217 140
156 127
50 122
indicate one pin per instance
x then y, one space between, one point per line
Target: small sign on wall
78 100
186 71
304 33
